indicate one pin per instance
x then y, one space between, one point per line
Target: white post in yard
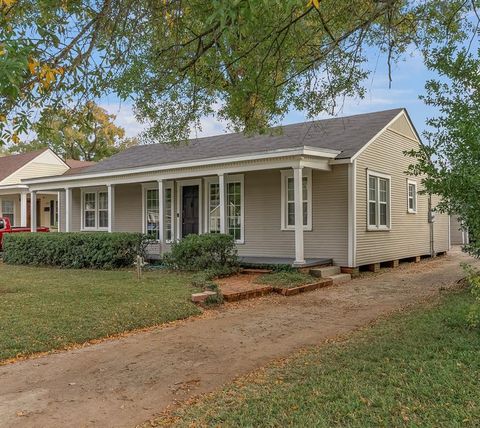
223 210
298 198
68 209
23 209
111 206
161 212
33 211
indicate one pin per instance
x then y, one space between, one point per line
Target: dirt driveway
121 383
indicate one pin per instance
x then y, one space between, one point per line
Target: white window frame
208 182
379 227
415 198
13 213
230 178
96 191
285 175
154 186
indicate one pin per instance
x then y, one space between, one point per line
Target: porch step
325 272
340 278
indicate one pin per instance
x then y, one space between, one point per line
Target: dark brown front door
190 210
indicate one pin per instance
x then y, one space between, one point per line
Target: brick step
325 272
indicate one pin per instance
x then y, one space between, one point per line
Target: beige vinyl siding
402 126
441 228
61 214
329 235
410 233
457 233
76 210
128 208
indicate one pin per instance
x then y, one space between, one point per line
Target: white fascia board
13 188
300 151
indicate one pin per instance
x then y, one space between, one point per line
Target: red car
6 227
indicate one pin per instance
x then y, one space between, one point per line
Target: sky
409 78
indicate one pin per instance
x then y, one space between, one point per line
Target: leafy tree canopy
247 61
86 133
450 162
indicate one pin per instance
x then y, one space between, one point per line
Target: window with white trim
288 200
151 212
8 210
412 196
234 200
234 210
213 208
168 219
378 209
95 210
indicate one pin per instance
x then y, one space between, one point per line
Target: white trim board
279 153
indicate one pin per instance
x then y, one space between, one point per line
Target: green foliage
213 252
473 277
98 250
42 309
450 162
248 62
285 279
82 133
417 369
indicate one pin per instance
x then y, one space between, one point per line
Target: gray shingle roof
346 134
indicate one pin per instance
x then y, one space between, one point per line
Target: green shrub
473 277
94 250
213 252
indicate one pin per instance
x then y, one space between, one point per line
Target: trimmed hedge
93 250
210 251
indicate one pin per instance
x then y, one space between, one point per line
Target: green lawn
45 308
420 368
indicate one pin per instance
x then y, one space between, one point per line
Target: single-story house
329 189
15 201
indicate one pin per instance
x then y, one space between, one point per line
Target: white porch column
59 212
33 211
161 210
23 209
298 198
111 206
223 210
68 209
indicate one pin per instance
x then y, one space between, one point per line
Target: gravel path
123 382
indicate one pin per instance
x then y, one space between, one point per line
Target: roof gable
11 163
39 163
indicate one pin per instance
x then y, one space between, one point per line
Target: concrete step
325 272
340 278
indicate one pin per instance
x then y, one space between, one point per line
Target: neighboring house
15 198
458 233
331 189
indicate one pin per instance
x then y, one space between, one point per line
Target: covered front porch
25 209
278 209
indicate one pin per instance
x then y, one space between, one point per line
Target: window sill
411 212
292 229
94 229
379 229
